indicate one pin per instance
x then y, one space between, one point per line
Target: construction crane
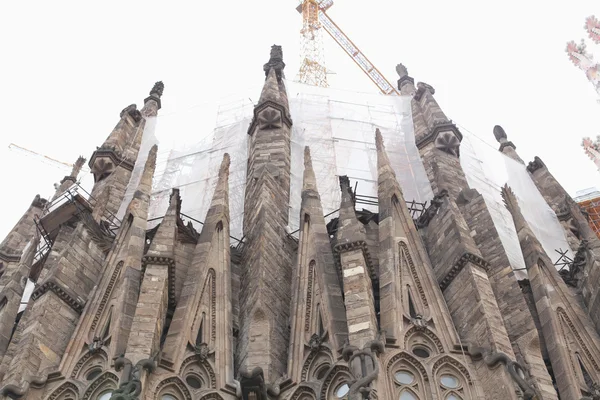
312 66
45 159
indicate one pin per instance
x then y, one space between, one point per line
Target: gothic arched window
452 379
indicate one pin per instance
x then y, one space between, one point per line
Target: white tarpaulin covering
339 126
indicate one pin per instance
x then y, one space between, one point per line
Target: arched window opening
342 391
105 395
411 305
408 395
406 378
200 336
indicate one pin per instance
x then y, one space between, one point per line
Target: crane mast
312 68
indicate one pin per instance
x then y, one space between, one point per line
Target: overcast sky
70 67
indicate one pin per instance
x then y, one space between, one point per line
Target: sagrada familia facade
376 306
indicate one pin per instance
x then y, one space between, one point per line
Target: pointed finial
157 89
275 62
509 198
500 134
224 169
307 157
379 140
401 70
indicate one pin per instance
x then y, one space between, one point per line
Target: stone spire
265 293
11 292
410 297
350 230
204 306
560 314
507 147
318 311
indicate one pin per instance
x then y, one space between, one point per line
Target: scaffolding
339 127
589 202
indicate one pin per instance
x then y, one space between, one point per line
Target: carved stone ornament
254 387
275 62
202 351
536 164
17 392
130 385
96 345
132 111
364 366
594 392
448 142
269 119
157 89
513 368
431 211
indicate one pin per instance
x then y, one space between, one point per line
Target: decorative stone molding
156 93
563 314
109 377
204 364
421 89
65 387
273 107
309 294
459 265
507 144
106 295
178 383
87 356
63 293
403 356
269 119
313 355
211 396
105 159
16 392
331 375
356 245
132 111
451 361
303 391
536 164
7 257
445 135
415 330
403 249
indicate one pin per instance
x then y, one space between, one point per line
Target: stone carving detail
404 251
322 350
536 164
365 367
107 376
275 62
455 364
426 332
175 381
204 364
157 89
269 119
448 142
254 387
330 376
459 265
84 359
411 360
309 294
563 314
431 211
65 387
106 295
16 392
492 359
211 396
572 274
130 385
302 392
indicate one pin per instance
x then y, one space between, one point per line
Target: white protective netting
339 126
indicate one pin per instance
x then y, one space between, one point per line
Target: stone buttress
266 266
568 333
461 242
